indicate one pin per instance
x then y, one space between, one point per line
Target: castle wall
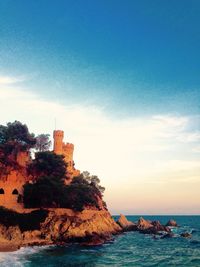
10 188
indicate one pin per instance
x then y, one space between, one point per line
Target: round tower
58 136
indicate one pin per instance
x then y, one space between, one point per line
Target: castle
67 150
11 185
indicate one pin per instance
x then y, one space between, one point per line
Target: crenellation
67 150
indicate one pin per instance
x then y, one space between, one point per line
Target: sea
127 249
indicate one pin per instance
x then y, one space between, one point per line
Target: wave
19 258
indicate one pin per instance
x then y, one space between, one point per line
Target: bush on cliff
51 191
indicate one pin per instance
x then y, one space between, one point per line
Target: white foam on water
19 258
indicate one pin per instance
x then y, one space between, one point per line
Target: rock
61 226
186 235
125 224
159 227
94 239
172 223
84 227
144 224
151 227
11 233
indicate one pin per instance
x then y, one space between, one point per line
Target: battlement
68 146
58 134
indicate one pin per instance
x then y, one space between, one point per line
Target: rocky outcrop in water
151 227
145 226
172 223
125 224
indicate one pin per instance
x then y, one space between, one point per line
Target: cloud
6 80
135 153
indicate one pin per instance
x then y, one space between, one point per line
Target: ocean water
128 249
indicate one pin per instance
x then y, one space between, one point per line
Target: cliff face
62 226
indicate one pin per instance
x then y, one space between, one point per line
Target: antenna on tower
55 123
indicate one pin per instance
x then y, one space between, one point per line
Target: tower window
15 192
1 191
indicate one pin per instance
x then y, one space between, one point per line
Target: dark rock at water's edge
186 235
151 227
154 228
172 223
125 224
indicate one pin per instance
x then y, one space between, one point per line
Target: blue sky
122 78
140 55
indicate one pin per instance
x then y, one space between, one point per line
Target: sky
122 79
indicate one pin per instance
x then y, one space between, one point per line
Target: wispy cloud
4 80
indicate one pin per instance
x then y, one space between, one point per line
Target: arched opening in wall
1 191
15 192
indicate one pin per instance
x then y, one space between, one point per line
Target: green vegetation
14 137
42 142
47 164
49 191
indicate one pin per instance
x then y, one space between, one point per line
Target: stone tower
67 150
58 136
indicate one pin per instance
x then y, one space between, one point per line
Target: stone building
11 185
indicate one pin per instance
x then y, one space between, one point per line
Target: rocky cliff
57 226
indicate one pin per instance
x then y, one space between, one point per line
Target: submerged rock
168 235
186 235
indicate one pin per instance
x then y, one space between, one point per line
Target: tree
93 180
46 192
48 164
14 137
42 142
50 190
